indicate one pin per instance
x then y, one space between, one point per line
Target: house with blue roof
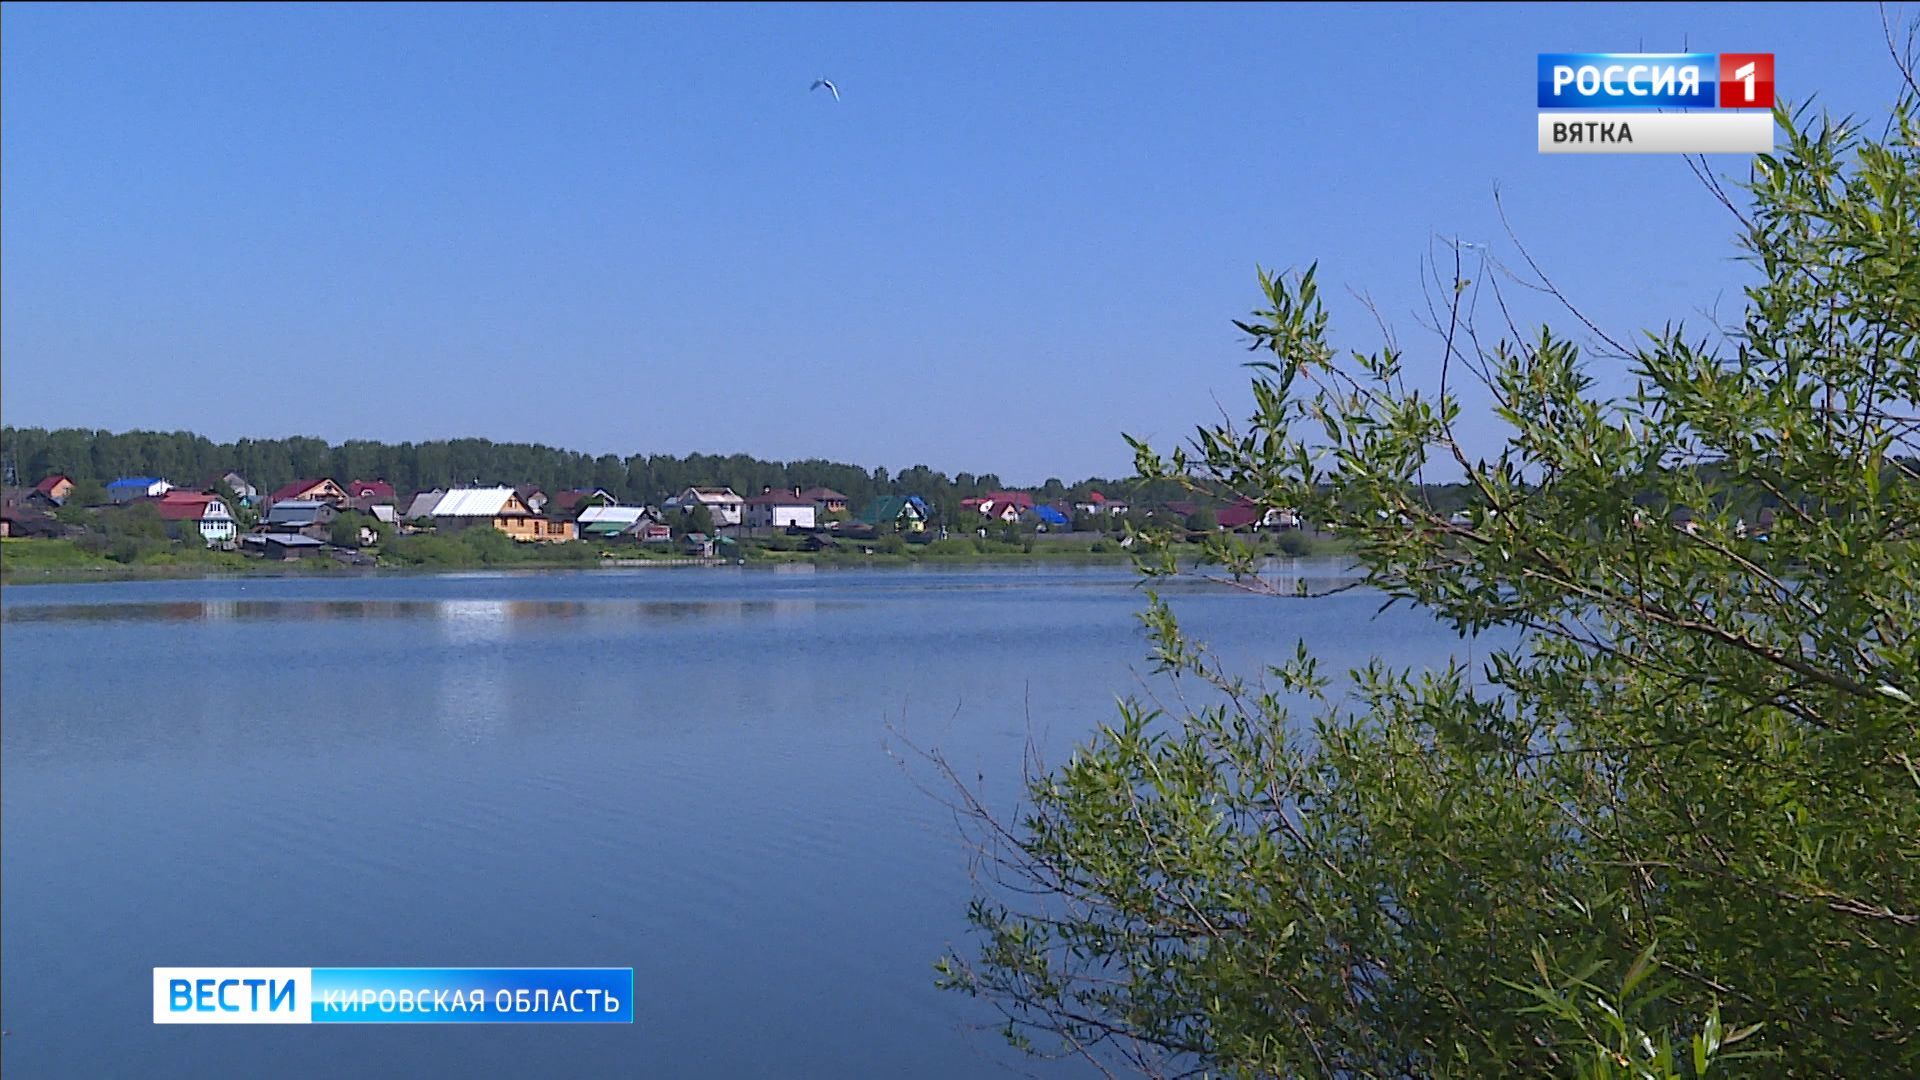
1049 517
128 488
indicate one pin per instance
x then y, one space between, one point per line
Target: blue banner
472 996
1646 81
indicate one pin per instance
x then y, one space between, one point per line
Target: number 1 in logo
1746 80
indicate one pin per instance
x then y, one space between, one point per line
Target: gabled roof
298 488
142 482
890 507
45 487
1050 515
16 507
1241 514
178 506
423 502
713 495
378 488
574 497
473 502
784 497
1018 498
822 494
619 515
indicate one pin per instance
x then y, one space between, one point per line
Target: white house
209 513
129 488
726 507
781 510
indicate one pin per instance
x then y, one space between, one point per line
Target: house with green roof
608 522
905 513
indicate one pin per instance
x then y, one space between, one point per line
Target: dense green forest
27 454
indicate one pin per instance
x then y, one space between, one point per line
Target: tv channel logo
276 995
1652 81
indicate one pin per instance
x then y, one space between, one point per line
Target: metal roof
295 512
424 502
622 515
473 502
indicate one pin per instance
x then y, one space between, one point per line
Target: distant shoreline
318 568
27 562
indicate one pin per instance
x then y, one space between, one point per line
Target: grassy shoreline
59 562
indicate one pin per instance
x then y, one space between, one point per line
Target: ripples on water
682 771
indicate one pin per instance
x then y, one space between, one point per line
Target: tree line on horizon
188 459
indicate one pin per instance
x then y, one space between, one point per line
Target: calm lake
682 771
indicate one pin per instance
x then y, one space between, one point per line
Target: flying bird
828 83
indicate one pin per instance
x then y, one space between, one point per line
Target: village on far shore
321 518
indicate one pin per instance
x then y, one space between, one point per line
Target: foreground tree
1685 787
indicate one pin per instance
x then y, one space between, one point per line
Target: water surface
684 771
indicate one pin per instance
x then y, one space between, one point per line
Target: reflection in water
473 699
468 622
480 617
689 771
1277 576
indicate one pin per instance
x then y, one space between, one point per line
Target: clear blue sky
1022 232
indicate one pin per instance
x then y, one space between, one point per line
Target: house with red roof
321 490
374 489
987 507
209 515
56 488
1096 503
1244 513
572 502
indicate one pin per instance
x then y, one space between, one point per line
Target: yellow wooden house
503 509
